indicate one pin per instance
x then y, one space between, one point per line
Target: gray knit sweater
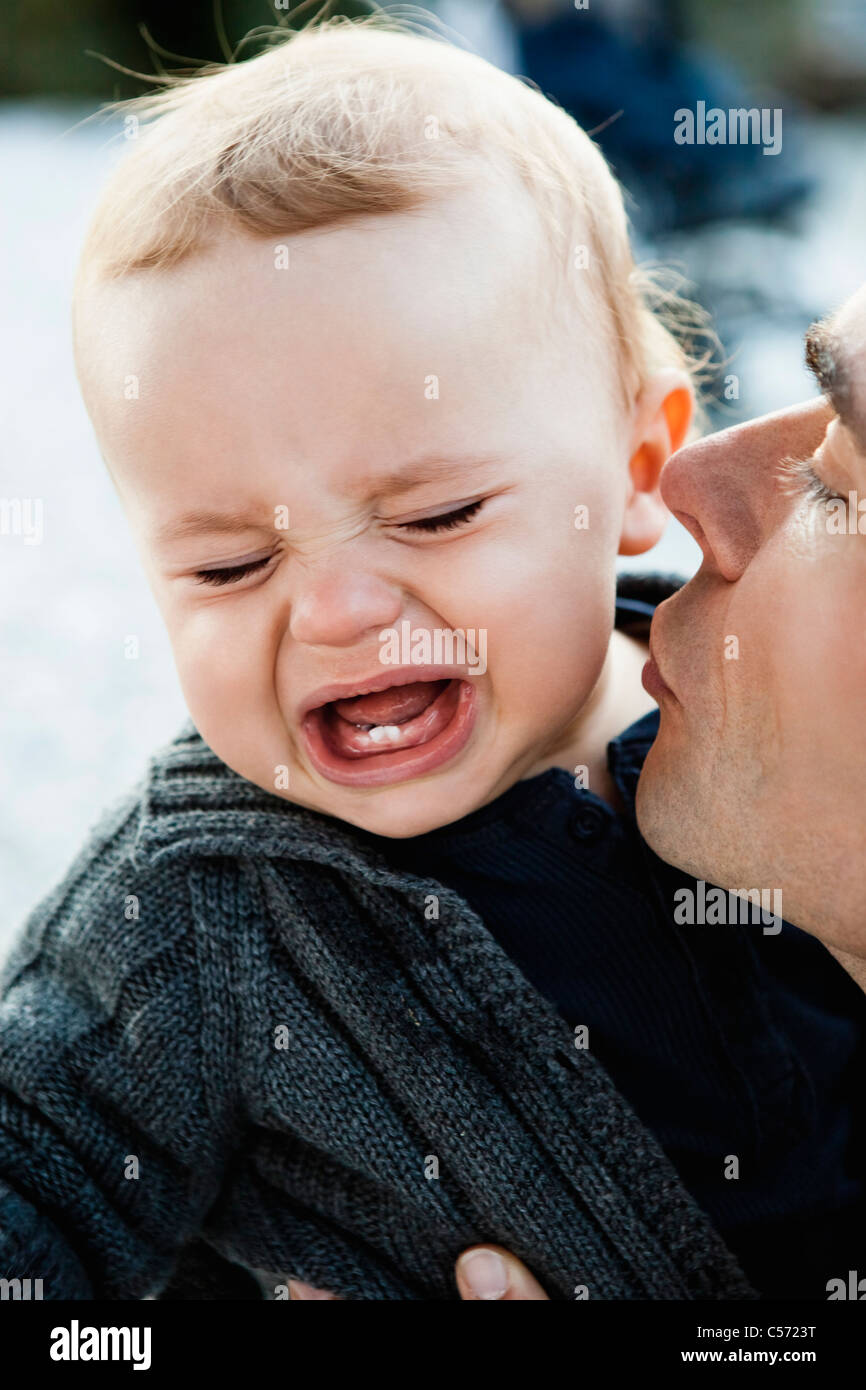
231 1029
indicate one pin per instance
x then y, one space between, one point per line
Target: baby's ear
662 414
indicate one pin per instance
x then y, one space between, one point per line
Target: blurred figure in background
623 69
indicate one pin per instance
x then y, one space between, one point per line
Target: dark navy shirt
728 1041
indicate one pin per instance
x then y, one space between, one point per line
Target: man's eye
231 576
802 478
446 521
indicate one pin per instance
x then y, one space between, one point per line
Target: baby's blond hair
350 117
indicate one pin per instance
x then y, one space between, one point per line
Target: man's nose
337 605
726 489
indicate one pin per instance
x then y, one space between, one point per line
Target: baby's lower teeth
381 733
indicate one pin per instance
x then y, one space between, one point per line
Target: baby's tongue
392 706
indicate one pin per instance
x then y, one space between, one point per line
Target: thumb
298 1291
489 1273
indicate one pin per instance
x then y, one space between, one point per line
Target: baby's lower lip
436 736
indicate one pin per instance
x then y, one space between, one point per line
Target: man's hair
347 117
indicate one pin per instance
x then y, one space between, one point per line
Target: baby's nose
338 607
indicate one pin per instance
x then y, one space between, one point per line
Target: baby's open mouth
390 735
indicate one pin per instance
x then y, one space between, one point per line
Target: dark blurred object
626 81
48 47
814 49
202 1273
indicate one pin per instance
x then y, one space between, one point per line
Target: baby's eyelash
231 576
446 521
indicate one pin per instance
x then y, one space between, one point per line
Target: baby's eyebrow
202 522
428 469
431 468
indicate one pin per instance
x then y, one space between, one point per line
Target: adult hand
484 1272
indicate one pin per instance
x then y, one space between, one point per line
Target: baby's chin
400 813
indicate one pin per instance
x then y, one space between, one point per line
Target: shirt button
587 823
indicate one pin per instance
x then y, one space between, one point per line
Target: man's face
399 445
756 779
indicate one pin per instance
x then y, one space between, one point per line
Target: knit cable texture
234 1041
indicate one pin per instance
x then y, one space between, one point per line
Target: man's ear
662 415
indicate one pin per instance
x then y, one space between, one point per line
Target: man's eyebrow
826 360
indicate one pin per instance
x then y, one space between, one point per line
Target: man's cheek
808 644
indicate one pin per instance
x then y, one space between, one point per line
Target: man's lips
654 684
429 726
652 679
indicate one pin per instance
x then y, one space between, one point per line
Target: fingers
297 1290
488 1272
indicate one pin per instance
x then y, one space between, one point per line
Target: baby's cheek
224 672
555 647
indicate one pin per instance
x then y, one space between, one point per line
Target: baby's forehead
364 327
477 248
